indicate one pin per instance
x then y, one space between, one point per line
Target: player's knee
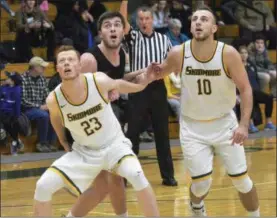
42 191
201 188
47 185
243 185
131 169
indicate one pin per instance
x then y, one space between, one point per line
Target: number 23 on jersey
91 125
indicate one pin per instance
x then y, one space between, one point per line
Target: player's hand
240 134
153 71
113 95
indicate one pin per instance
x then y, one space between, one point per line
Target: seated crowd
24 95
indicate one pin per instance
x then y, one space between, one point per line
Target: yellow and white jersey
92 123
207 90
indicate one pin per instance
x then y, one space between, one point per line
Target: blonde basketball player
210 73
79 104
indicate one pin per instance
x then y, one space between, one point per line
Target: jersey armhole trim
183 60
61 113
223 63
96 85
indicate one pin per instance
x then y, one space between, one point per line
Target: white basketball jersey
207 91
93 122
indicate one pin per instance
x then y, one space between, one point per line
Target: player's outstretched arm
106 84
131 77
173 62
57 120
237 72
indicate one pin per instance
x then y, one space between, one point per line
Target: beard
110 45
202 38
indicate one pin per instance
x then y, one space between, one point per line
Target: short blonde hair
66 48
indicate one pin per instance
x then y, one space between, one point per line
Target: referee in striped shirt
147 46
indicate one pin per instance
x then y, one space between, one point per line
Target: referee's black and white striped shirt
144 50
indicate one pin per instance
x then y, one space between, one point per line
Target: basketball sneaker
198 211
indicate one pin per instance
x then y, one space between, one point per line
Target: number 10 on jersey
204 87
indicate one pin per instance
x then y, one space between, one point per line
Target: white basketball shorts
201 139
81 166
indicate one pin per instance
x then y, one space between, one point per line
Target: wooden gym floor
17 194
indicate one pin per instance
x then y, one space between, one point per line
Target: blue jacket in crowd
10 100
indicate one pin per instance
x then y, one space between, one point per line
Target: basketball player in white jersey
210 72
79 104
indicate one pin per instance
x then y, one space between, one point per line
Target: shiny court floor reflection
17 194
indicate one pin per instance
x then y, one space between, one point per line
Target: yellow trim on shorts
102 96
202 177
66 180
239 176
114 169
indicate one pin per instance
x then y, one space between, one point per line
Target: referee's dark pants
153 99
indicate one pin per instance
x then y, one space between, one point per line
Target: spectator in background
258 95
34 93
174 32
228 11
97 9
161 16
4 4
182 11
64 19
10 109
252 23
173 87
266 70
85 29
33 29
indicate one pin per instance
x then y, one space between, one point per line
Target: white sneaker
198 212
